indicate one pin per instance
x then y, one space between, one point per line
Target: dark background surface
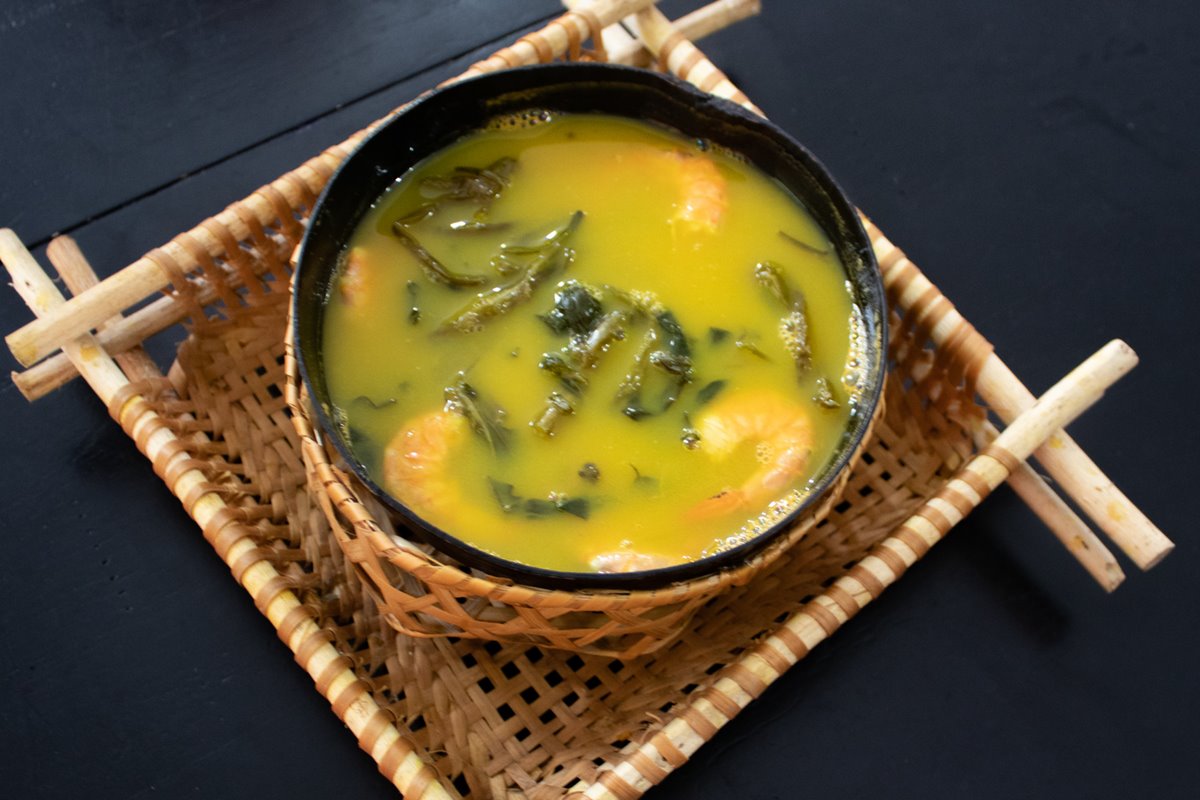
1038 161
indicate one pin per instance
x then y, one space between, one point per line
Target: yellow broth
630 180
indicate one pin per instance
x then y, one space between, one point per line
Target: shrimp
702 200
415 461
783 437
627 561
356 283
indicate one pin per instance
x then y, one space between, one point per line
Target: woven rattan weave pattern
519 716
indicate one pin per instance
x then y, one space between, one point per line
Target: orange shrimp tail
415 462
721 504
778 426
702 198
627 561
356 284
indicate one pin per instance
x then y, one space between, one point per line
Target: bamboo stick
709 19
614 36
624 48
118 335
144 278
106 379
79 276
679 739
1077 473
555 35
1062 403
1065 460
683 58
695 26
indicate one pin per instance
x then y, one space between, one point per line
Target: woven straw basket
507 716
421 592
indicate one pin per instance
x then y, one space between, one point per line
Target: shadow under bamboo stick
1074 534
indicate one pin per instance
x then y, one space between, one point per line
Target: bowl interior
444 116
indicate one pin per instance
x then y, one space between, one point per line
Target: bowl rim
582 74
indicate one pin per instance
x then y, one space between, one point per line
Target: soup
586 344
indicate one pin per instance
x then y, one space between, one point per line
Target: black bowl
444 116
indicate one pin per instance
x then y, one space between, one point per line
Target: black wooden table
1040 162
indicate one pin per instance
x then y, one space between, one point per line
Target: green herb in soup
588 344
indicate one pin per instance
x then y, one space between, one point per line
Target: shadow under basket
423 592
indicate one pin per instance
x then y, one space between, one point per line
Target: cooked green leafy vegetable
434 270
676 360
646 482
510 502
635 409
678 368
567 372
803 245
644 304
505 496
375 405
470 183
486 419
577 506
673 358
553 257
480 186
536 507
673 365
571 363
770 276
673 336
793 327
477 226
514 257
691 436
414 311
557 407
745 342
418 214
629 392
575 310
709 391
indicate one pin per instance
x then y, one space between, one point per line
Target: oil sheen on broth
599 347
